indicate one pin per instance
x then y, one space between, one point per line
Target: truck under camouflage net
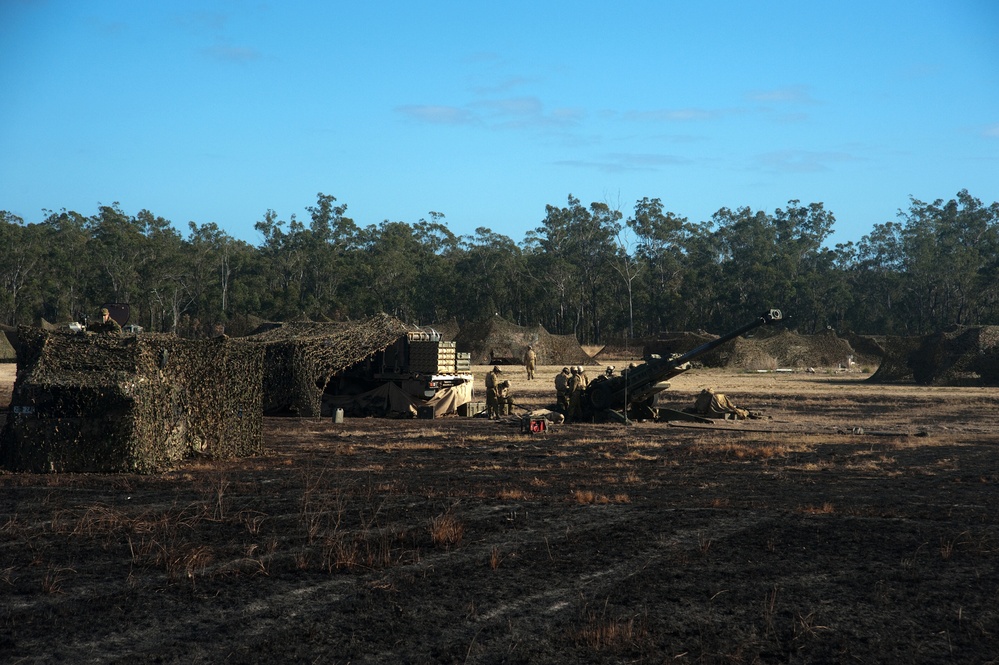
375 366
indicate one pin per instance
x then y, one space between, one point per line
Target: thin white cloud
793 94
802 161
227 53
626 162
991 131
437 114
510 113
679 115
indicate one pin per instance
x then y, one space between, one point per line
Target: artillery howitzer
635 389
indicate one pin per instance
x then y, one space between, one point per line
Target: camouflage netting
102 403
962 356
449 329
300 358
791 350
681 342
496 338
8 337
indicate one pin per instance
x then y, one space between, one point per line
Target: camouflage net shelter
681 342
8 338
496 340
789 349
300 358
103 403
961 356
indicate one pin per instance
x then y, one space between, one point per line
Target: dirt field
853 523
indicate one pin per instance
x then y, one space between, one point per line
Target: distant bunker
103 403
377 366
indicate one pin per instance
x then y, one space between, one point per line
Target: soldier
609 372
562 390
492 392
106 325
576 387
503 398
530 360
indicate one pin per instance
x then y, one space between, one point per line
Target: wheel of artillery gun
600 395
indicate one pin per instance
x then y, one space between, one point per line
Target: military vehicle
632 394
419 364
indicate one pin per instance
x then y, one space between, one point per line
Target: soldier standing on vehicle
562 390
106 325
492 392
530 360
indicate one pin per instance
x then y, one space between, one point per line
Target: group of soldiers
569 386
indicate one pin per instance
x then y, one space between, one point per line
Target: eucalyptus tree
20 256
750 271
166 291
120 253
660 236
572 253
491 272
328 246
69 266
804 278
876 270
950 250
436 254
282 266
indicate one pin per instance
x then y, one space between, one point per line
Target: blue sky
487 112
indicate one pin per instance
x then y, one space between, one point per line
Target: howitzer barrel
639 384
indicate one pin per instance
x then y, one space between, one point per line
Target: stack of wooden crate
432 357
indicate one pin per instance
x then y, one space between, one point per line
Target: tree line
585 270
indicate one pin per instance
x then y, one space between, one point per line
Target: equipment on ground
632 393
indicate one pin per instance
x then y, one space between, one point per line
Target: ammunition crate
432 357
463 363
469 409
425 412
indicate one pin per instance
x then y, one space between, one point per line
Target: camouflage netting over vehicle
497 340
962 356
103 403
790 350
681 342
300 358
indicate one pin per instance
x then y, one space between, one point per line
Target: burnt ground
853 523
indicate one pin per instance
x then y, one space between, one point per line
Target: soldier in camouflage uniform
562 390
530 361
492 392
106 325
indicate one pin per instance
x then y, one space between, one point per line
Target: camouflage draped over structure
301 357
966 356
99 403
508 340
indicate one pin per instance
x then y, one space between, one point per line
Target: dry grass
446 530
